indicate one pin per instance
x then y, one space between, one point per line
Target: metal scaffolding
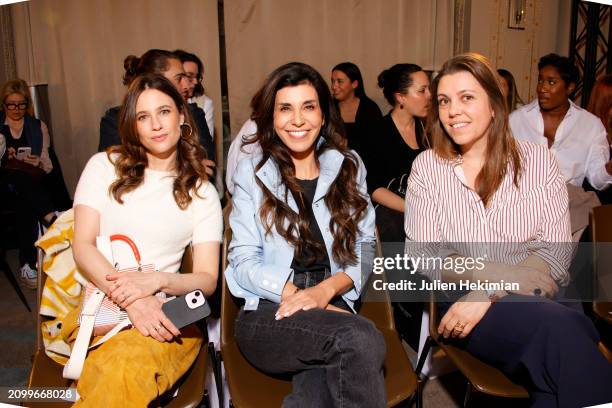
591 31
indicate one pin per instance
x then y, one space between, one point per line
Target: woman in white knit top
152 188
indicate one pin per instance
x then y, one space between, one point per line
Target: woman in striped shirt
480 194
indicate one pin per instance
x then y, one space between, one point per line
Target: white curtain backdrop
77 47
263 34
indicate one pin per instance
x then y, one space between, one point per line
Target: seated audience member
161 199
21 174
509 89
479 190
239 149
600 105
359 113
400 137
302 225
576 137
169 65
243 145
194 74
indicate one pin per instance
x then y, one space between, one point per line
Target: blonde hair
18 86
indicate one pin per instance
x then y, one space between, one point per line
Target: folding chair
481 376
250 387
47 373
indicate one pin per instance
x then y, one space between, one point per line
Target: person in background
302 225
243 145
22 175
359 113
239 149
576 137
165 63
509 89
152 188
400 137
480 193
194 74
600 105
2 146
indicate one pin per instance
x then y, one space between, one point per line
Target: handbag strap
74 366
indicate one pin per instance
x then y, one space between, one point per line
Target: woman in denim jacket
303 226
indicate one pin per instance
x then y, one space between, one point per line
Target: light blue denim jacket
259 265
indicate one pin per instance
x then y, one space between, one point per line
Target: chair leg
423 358
216 365
468 394
9 275
419 393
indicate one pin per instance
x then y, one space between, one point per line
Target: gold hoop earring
190 130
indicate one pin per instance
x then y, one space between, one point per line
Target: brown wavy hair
502 150
130 158
345 202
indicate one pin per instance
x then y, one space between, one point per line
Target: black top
389 157
367 116
309 261
109 129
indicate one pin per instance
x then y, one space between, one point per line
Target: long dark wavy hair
345 202
130 158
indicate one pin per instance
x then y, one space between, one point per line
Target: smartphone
186 309
23 152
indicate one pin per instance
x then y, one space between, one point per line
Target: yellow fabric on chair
61 297
131 369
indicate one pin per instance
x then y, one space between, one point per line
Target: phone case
23 152
186 309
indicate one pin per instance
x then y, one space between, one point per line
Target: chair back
600 220
601 223
229 305
377 310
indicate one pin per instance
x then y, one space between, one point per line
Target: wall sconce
516 14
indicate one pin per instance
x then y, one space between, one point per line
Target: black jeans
32 204
335 359
308 279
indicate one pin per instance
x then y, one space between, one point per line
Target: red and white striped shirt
443 214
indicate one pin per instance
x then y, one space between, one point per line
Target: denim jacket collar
330 161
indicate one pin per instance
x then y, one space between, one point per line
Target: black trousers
547 346
32 204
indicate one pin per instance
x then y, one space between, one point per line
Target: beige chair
601 232
250 388
47 373
481 377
